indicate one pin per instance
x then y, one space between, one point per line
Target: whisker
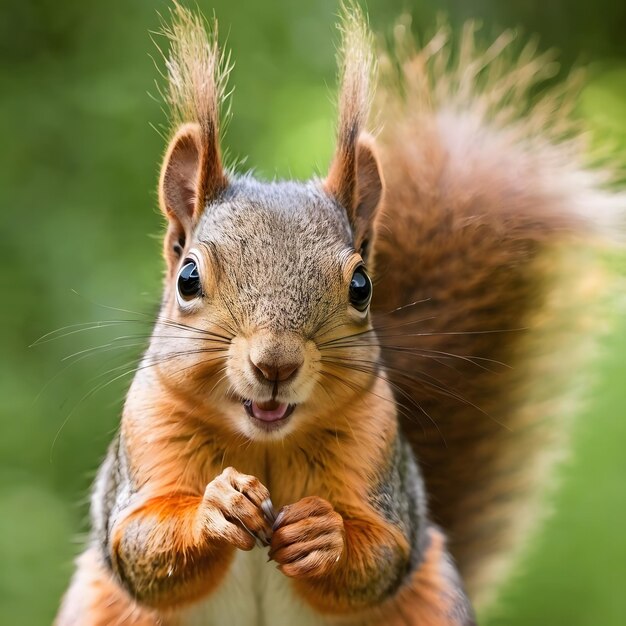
462 332
106 347
415 377
428 353
72 363
73 329
401 408
202 331
376 330
404 306
140 367
425 379
78 328
328 317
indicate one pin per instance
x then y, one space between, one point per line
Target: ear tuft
192 173
354 177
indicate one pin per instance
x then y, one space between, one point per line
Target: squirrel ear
178 189
178 184
186 177
355 179
192 172
369 191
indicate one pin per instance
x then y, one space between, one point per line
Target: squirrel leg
175 548
94 598
433 595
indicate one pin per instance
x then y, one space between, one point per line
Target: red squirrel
341 417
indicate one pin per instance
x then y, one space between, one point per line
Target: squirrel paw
235 507
308 538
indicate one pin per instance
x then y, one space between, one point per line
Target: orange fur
330 463
154 542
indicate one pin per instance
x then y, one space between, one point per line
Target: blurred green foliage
80 240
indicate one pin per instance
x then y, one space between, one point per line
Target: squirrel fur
289 453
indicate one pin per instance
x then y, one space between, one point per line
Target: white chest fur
254 593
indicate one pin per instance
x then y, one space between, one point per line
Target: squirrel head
266 284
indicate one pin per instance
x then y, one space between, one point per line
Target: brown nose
276 372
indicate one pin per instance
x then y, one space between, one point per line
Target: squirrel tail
486 262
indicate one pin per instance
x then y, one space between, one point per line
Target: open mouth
270 415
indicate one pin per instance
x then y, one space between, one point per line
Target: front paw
236 509
308 538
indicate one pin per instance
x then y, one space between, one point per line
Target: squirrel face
264 290
270 281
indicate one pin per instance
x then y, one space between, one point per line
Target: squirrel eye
360 289
188 284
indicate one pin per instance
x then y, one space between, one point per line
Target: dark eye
360 289
189 286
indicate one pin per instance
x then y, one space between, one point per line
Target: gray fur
278 246
111 493
399 495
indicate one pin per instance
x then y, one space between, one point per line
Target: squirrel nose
276 372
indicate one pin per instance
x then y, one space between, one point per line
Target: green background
80 229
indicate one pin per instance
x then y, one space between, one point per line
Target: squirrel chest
253 593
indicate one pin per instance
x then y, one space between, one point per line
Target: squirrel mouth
270 412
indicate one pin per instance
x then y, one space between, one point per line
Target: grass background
78 170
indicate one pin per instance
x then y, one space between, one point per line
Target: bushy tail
488 242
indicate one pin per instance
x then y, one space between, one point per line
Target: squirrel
352 395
